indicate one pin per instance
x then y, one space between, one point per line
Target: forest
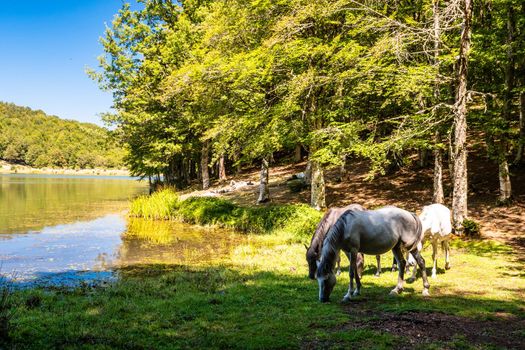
207 85
33 138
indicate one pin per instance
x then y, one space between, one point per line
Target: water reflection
175 243
91 251
62 254
31 202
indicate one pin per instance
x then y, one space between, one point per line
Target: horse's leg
434 258
360 264
446 248
394 264
401 263
378 272
421 263
351 284
338 272
414 269
357 289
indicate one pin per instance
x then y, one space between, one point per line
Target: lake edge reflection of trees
33 138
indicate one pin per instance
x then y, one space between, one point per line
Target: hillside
33 138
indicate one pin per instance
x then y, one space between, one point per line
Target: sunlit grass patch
157 206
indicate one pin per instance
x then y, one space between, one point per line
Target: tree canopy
247 79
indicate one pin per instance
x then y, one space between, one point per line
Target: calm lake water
62 230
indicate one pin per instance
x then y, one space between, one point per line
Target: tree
459 156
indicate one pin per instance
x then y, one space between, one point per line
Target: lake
64 230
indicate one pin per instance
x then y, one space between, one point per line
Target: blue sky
45 46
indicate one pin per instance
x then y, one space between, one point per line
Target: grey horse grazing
370 232
313 252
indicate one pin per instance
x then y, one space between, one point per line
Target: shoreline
8 168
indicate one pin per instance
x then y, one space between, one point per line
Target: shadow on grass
481 247
174 306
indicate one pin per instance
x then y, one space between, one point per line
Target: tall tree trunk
438 196
308 172
264 190
205 172
505 188
237 162
423 158
519 154
318 197
297 153
222 168
460 182
342 168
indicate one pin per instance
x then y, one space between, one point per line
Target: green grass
259 297
296 221
158 206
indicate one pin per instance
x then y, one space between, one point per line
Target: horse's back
378 231
436 219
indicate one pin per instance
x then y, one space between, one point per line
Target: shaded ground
417 328
408 188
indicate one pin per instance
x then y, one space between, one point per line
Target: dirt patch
418 328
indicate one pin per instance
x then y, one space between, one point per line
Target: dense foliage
33 138
246 80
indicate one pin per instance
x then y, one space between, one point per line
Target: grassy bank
259 297
262 299
295 221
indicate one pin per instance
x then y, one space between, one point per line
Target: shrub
471 228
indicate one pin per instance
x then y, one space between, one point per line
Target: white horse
435 219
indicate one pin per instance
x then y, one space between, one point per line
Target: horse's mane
329 251
323 227
320 232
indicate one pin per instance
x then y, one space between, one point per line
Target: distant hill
36 139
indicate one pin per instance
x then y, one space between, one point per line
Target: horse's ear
305 246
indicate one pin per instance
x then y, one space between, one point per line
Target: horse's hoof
395 291
447 266
338 272
377 275
356 294
426 292
434 276
346 299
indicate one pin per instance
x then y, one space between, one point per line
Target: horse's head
312 258
326 285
